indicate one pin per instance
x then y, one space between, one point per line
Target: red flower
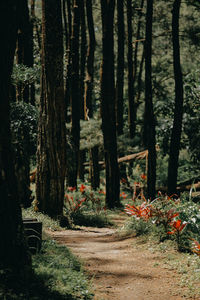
196 248
123 180
71 189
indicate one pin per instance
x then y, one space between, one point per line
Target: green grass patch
62 272
57 275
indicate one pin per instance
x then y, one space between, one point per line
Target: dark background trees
13 252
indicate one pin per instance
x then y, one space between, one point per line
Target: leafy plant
85 206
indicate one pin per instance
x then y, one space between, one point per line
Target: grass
62 272
58 275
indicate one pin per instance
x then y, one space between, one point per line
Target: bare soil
121 268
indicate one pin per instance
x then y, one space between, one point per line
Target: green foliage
91 134
25 75
86 207
137 227
24 119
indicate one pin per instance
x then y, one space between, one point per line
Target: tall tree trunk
108 105
120 68
68 37
32 22
136 75
149 114
130 70
82 153
88 109
51 136
178 110
75 88
13 252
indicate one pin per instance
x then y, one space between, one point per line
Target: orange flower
82 188
142 211
143 176
123 195
178 226
102 192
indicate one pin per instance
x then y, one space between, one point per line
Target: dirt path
119 268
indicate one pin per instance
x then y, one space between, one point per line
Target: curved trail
120 268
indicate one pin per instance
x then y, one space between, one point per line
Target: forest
99 115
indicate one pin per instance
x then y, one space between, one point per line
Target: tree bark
149 119
13 251
130 71
88 103
108 105
120 68
82 153
51 153
178 110
75 88
68 33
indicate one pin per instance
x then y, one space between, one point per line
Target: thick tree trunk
108 105
75 88
120 68
178 110
88 109
149 114
13 251
51 136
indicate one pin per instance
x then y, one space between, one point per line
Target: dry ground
121 268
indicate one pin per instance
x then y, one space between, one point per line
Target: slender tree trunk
120 68
136 75
178 110
75 88
13 252
51 136
32 86
88 109
130 70
69 61
82 153
108 105
139 79
149 114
